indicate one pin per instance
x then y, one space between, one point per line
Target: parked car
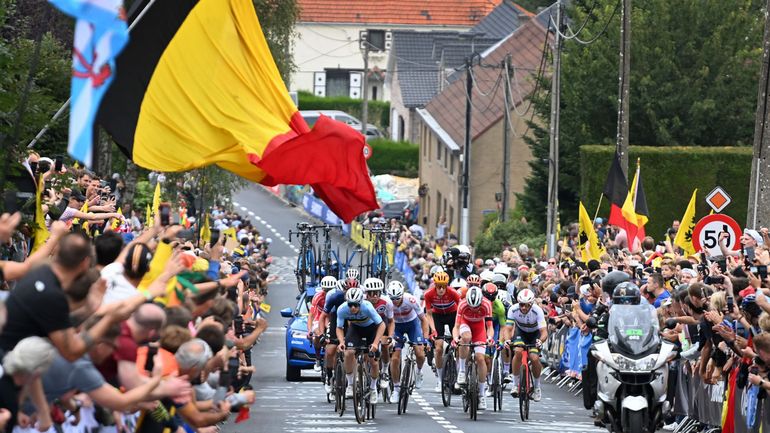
311 116
300 354
397 208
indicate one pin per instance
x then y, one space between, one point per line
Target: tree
278 18
534 5
694 71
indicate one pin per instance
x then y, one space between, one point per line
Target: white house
328 50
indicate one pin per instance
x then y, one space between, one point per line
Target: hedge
669 175
379 111
399 158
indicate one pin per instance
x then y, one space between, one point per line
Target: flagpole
596 215
66 104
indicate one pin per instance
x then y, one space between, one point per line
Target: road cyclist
474 326
409 319
441 302
526 327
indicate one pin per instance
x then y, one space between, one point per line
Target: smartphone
759 271
58 163
609 268
214 237
165 214
722 265
749 253
730 304
33 167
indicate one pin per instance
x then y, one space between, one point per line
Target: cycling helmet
486 275
504 297
352 274
612 280
626 293
373 284
490 291
342 285
441 278
499 279
354 295
395 290
458 283
502 269
435 269
474 297
473 280
526 296
328 283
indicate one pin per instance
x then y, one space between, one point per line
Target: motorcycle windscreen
633 329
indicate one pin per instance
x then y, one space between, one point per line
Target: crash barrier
317 208
402 264
362 238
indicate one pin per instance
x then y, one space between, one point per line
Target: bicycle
497 379
387 391
306 256
362 392
325 254
449 374
525 382
339 384
408 373
379 261
471 388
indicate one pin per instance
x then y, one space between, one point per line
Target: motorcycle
632 370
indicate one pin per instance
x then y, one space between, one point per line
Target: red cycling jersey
470 316
317 304
442 304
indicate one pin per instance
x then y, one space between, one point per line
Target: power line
582 26
575 34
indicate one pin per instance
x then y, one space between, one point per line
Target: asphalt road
301 407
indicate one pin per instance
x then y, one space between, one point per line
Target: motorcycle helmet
626 293
612 279
474 297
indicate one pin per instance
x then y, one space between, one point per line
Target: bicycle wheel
339 387
359 401
524 386
473 388
310 264
497 383
449 375
403 397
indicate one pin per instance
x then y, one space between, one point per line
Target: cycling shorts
357 336
412 329
523 338
440 321
478 331
331 329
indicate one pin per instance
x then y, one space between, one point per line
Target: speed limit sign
705 235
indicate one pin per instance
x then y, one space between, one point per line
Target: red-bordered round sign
705 235
367 151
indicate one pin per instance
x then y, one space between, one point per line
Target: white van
311 116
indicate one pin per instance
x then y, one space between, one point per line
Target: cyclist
384 307
313 323
526 325
441 304
492 294
474 324
352 276
328 321
460 285
410 320
363 324
473 280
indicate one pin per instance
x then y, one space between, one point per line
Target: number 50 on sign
705 235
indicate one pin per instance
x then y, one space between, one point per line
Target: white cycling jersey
533 321
409 309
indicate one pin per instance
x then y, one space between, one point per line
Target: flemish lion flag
198 86
41 231
206 230
683 237
588 241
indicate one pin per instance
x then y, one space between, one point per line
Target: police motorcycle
633 365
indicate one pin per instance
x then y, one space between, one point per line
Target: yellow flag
230 232
148 221
206 230
683 237
115 221
83 209
156 199
265 307
588 241
41 231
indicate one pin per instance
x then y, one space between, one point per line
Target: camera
714 279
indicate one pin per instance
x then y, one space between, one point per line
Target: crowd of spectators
116 323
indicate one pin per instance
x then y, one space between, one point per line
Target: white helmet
373 284
352 274
395 289
355 295
434 269
328 282
464 249
504 296
526 296
499 278
474 297
458 283
486 275
502 268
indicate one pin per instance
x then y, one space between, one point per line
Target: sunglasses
395 299
354 304
551 263
374 294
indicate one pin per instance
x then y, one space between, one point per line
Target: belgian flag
197 85
616 190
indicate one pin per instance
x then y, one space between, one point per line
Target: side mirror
286 312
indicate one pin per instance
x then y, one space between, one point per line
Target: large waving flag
635 209
100 34
198 86
683 237
588 241
616 190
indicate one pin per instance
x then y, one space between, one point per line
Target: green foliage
669 175
379 111
277 18
513 232
399 158
694 72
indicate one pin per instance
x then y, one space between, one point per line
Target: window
451 164
401 126
374 93
424 139
438 150
451 216
446 158
376 39
438 205
337 82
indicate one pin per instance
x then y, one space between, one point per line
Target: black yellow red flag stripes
199 86
616 190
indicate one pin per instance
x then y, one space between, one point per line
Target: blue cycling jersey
365 316
333 301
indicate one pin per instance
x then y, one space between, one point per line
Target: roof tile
423 12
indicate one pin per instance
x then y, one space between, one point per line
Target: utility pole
465 214
759 188
506 138
553 154
624 84
365 92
